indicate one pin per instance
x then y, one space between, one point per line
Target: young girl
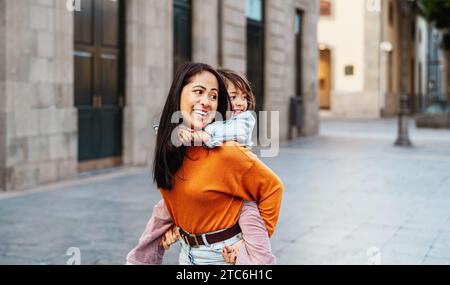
160 232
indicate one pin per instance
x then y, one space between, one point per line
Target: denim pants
208 254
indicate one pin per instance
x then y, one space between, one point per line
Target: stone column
279 52
234 35
37 113
372 62
149 60
205 31
310 67
280 61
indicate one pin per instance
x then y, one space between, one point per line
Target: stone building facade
47 49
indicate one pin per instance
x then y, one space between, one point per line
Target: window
298 52
325 8
253 10
255 49
182 23
349 70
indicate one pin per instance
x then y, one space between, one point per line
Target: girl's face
238 99
199 100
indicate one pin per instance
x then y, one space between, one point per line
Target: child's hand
170 237
229 253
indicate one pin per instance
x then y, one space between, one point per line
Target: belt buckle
196 241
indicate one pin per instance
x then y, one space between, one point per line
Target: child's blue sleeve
239 128
211 130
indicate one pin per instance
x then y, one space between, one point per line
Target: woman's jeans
206 254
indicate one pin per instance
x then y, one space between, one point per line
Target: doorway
99 82
325 79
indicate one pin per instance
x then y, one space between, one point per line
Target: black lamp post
403 135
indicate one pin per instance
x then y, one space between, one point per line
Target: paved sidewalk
351 198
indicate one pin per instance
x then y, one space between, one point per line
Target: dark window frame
261 26
299 33
187 5
326 8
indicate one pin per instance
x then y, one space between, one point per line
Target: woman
204 189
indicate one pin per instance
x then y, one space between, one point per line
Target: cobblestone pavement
351 198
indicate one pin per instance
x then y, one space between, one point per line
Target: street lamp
403 135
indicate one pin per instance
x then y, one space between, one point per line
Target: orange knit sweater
211 185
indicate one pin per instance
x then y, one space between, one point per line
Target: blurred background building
432 66
82 81
360 59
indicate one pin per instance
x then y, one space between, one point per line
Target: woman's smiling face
199 100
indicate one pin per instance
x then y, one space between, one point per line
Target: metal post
403 135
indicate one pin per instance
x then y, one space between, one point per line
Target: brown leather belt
197 240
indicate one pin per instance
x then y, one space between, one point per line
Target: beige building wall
149 61
351 34
344 35
357 34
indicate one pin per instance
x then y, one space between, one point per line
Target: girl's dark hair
169 158
241 83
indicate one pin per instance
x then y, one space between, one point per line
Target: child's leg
256 249
148 250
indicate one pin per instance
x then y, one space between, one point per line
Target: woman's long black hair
168 158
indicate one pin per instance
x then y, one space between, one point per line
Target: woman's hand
170 237
201 136
229 253
188 136
184 136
